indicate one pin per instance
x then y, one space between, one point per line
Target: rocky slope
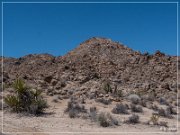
92 63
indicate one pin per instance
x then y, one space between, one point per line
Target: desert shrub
155 107
103 101
25 99
164 113
13 102
73 109
107 87
171 110
1 104
103 120
106 120
133 119
151 97
163 123
136 108
119 93
135 99
73 113
93 113
143 103
120 109
154 119
163 101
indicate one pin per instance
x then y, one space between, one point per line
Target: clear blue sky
59 28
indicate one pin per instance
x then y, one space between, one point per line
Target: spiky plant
25 99
107 87
13 102
154 119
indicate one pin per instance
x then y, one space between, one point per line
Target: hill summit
93 62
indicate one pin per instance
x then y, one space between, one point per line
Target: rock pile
82 71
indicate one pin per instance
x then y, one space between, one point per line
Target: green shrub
119 93
154 119
107 87
25 99
12 101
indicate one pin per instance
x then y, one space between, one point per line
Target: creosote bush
136 108
93 113
133 119
163 123
104 101
120 109
25 99
74 109
135 99
106 120
163 101
164 113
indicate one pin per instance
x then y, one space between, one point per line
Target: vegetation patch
25 99
120 109
106 120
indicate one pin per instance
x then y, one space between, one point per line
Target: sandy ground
56 122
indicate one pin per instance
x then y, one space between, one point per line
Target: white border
90 3
177 63
2 59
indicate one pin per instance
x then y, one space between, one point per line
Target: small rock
48 79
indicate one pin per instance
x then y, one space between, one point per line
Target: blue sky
59 28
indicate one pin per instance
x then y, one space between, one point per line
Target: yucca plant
154 119
25 99
107 87
19 86
13 102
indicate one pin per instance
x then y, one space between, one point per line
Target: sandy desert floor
56 121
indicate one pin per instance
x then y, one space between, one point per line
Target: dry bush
106 120
133 119
163 101
103 101
93 113
163 123
135 99
171 110
164 113
136 108
74 109
143 103
120 109
155 107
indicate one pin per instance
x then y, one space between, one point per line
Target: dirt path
57 121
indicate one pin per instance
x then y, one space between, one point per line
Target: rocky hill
92 63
